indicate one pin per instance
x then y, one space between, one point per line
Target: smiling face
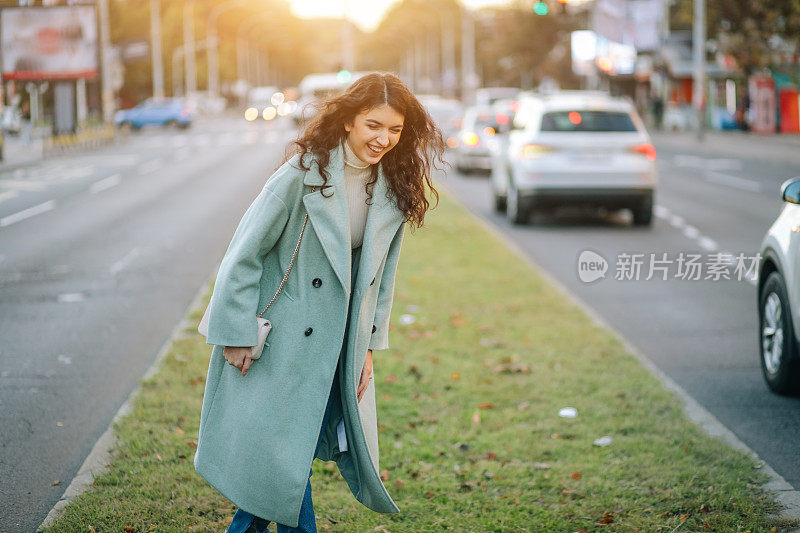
374 132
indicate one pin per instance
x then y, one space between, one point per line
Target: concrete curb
784 492
98 460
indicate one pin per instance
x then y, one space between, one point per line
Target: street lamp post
467 56
244 27
107 92
182 50
155 42
189 46
212 45
699 56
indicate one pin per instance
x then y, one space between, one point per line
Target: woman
360 171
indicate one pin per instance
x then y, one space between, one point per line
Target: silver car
474 140
779 294
575 148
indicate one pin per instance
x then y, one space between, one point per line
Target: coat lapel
328 214
383 220
331 221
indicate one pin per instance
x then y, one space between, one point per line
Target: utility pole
212 41
188 43
448 60
699 55
467 57
155 47
348 52
106 92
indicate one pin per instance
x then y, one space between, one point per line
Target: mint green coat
258 432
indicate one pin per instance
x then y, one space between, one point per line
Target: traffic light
540 8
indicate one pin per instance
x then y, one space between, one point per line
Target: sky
365 13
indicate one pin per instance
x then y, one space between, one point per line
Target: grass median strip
474 435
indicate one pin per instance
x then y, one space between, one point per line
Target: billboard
49 43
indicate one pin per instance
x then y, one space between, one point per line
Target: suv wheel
515 212
643 212
779 361
499 203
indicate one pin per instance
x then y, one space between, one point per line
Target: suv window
587 121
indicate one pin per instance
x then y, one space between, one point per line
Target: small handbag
264 325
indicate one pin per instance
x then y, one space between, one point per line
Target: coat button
309 331
317 282
373 329
373 281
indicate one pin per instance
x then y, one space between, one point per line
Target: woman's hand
366 375
238 357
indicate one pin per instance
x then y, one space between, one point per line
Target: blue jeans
244 522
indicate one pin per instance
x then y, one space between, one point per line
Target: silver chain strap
291 264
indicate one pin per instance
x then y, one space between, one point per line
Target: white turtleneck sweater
356 175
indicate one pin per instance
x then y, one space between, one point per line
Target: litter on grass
603 441
567 412
407 319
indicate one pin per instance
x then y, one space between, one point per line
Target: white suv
778 293
575 147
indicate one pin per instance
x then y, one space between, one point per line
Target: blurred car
11 120
204 103
315 87
448 115
779 296
156 112
474 140
486 96
575 147
259 101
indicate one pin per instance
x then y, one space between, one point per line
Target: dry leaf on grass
575 475
608 518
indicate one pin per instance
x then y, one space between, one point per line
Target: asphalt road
100 254
702 333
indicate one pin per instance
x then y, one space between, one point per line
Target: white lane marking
684 160
22 185
182 153
676 221
8 195
691 232
707 243
227 139
733 181
71 297
150 166
201 140
179 141
27 213
125 261
105 183
660 211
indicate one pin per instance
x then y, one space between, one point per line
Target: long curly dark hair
407 166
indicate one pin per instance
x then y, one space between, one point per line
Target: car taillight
534 151
646 149
470 138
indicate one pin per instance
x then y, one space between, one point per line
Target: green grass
470 437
